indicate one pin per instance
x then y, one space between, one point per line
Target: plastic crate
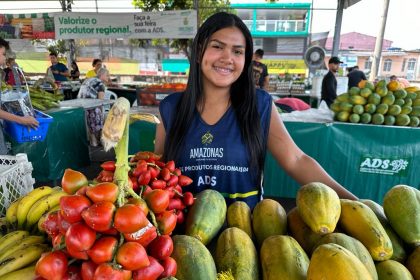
15 179
22 133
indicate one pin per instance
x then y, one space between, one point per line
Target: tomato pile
94 236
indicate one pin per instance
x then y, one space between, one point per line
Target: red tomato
103 250
157 200
103 192
99 216
73 273
109 271
51 223
80 237
88 270
166 222
52 265
73 180
139 202
129 218
72 206
188 199
132 256
143 236
169 267
108 165
161 247
151 272
165 174
184 180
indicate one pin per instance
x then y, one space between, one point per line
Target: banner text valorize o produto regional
168 24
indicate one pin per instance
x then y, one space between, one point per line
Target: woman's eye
238 52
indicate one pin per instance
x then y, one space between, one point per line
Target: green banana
21 258
11 238
27 201
11 212
22 274
42 206
29 240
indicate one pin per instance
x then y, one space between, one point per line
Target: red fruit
178 191
173 181
177 172
151 272
82 190
51 223
73 180
72 252
170 165
129 218
166 222
88 270
109 271
73 273
72 206
108 165
175 203
180 217
99 216
161 247
143 236
165 174
103 250
144 178
158 184
58 241
103 192
105 176
157 200
132 256
80 237
145 190
188 199
154 172
139 202
52 265
184 180
140 168
135 185
169 267
63 225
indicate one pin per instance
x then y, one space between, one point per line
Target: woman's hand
29 121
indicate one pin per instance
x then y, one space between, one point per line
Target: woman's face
224 58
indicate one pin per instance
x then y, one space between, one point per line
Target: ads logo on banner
385 165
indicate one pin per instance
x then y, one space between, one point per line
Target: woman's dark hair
242 94
4 44
73 63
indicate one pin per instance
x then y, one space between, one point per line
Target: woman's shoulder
263 96
172 99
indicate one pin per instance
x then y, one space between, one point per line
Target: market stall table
128 93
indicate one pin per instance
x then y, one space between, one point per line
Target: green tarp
366 159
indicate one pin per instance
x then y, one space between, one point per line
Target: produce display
380 104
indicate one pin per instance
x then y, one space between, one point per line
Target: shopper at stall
12 76
74 73
29 121
329 83
259 70
95 88
58 69
96 64
355 76
219 130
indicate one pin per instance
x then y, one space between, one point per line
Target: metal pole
378 45
337 30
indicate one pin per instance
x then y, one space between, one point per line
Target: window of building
387 65
403 65
411 65
258 43
368 64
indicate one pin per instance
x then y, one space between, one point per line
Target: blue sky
363 17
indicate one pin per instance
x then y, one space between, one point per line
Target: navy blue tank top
215 156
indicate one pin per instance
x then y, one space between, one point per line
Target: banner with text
145 25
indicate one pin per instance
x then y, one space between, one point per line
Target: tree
206 8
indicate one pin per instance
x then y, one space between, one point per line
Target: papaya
354 246
207 216
354 91
382 91
394 110
365 92
239 215
346 107
319 207
365 118
415 110
402 120
354 118
400 93
382 108
357 100
402 208
297 228
193 259
389 120
374 98
281 256
393 85
334 262
358 109
360 222
378 118
412 263
392 270
414 121
342 116
268 218
236 252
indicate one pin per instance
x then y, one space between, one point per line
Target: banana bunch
44 100
18 251
25 212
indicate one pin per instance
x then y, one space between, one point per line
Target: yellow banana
28 200
144 117
21 274
11 212
32 239
42 206
21 258
11 239
44 217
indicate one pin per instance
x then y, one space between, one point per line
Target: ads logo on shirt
207 138
385 165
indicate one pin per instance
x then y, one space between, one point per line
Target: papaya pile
380 104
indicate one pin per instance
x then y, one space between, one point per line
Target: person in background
74 73
355 76
95 88
29 121
259 70
329 82
393 78
58 69
12 75
96 64
219 129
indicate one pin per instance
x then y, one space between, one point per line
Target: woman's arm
294 161
160 138
27 120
